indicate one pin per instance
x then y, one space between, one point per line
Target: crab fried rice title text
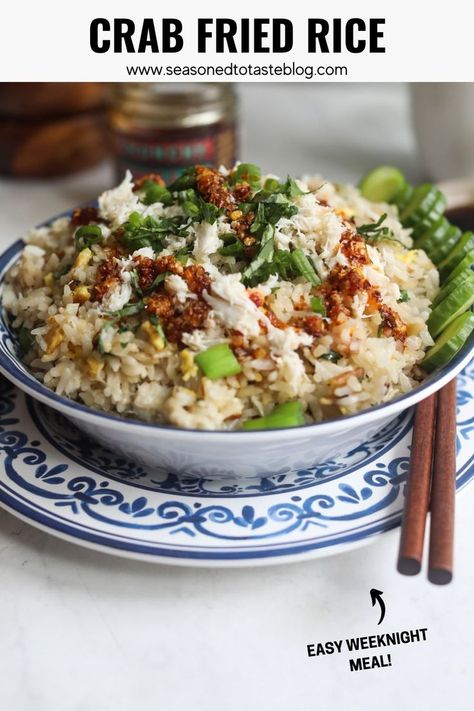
229 36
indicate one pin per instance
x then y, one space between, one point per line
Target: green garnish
291 189
234 249
149 231
86 236
375 232
186 180
128 310
218 362
332 356
403 296
155 321
156 193
156 282
182 257
272 185
196 208
191 209
248 173
269 209
209 212
380 329
318 305
289 414
63 271
304 267
134 280
264 255
25 339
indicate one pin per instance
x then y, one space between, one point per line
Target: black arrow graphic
376 596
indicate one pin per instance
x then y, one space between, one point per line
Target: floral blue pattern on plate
60 480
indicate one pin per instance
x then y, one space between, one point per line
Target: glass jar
164 128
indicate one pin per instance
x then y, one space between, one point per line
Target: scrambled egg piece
408 256
187 365
49 280
83 258
156 340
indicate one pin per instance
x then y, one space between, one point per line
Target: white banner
209 41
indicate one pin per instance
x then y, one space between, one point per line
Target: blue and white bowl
219 454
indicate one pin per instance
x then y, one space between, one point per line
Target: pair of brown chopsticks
431 485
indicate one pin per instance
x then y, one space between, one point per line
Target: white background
49 40
82 631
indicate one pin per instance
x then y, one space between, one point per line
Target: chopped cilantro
149 231
248 173
291 189
403 296
375 232
234 249
265 253
128 310
304 267
86 236
156 282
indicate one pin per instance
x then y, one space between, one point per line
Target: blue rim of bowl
9 368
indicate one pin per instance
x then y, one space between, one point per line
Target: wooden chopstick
417 496
443 489
431 484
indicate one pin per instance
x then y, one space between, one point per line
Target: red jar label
169 152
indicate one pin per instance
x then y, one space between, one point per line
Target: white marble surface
83 631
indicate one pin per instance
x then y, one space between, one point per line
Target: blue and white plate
53 476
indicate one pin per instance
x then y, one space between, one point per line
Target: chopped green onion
235 249
228 237
332 356
156 193
87 235
218 362
403 296
318 305
272 185
289 414
186 180
304 267
191 209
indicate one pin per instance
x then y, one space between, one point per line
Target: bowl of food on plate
234 323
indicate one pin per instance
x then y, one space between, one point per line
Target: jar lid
173 105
